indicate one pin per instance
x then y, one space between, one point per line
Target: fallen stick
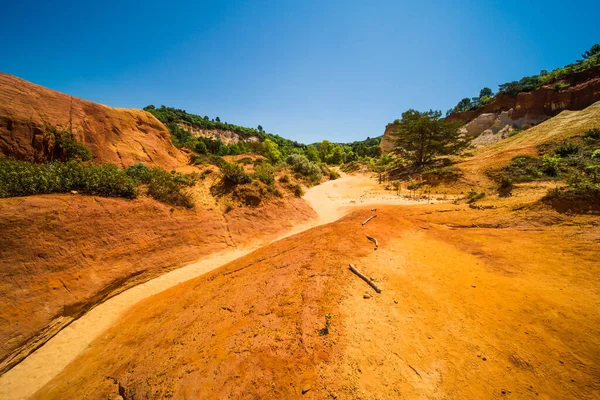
368 219
372 239
364 278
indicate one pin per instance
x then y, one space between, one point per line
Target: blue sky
307 70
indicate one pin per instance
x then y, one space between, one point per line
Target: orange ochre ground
475 304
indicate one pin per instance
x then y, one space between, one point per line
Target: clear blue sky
308 70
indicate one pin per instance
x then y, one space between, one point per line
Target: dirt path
330 200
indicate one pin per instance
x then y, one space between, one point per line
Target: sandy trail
331 200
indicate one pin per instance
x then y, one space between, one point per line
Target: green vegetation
505 186
234 174
576 161
468 104
171 117
23 178
265 173
304 167
423 136
64 146
560 78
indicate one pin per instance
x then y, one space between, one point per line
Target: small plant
593 133
505 186
265 173
284 179
566 149
65 147
560 86
325 331
297 189
333 175
473 196
234 174
596 155
303 166
550 165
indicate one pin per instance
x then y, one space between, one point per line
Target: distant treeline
271 145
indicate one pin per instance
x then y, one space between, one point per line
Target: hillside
524 103
119 136
63 254
458 317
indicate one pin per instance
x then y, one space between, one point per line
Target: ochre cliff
119 136
525 108
225 136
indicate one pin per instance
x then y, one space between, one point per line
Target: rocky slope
119 136
225 136
505 112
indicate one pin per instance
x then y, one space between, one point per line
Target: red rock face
532 107
119 136
544 102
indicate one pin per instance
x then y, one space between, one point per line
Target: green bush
596 154
333 175
297 189
505 186
234 174
22 178
64 146
166 188
550 165
300 164
593 133
566 149
265 173
284 179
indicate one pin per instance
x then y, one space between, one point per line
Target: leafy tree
260 128
201 147
312 154
486 92
595 49
325 150
421 136
218 119
271 150
337 155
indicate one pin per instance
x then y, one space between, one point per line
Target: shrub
65 147
473 196
505 186
22 178
593 133
566 149
333 175
265 173
140 173
596 154
550 165
166 188
284 179
234 174
297 189
300 164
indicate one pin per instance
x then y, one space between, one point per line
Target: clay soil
61 255
474 304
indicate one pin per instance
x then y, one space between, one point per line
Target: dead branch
364 278
368 219
372 239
